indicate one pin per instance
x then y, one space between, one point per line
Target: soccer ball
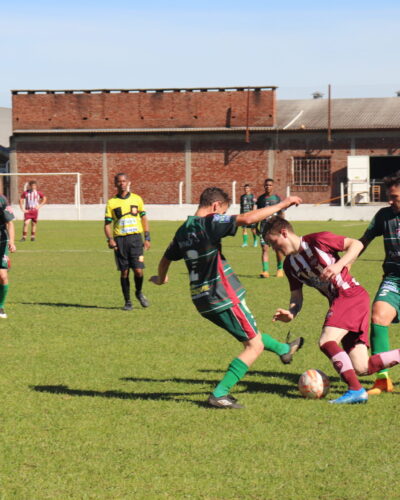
314 384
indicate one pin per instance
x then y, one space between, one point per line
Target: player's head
215 198
279 233
269 185
392 184
247 188
121 182
32 185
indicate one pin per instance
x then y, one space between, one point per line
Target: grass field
99 403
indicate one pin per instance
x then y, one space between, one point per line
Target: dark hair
392 180
213 194
269 180
31 183
247 185
120 174
275 224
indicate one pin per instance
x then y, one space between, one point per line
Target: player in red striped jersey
314 260
30 202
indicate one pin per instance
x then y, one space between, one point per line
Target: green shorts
4 260
389 291
237 320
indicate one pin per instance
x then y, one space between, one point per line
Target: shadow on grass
64 304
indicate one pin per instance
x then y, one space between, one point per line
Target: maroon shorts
31 214
352 313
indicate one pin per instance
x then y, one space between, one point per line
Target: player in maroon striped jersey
30 202
314 260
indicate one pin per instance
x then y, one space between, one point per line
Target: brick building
166 138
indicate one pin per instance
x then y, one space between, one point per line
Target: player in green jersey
386 305
7 235
268 199
248 203
215 289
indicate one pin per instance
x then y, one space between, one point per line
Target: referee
125 211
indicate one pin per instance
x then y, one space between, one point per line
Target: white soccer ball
314 384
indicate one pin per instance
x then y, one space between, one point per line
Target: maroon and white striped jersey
317 251
32 198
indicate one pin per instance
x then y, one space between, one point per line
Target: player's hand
12 247
330 272
292 200
156 280
112 244
147 245
282 315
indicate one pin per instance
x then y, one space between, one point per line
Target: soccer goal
62 189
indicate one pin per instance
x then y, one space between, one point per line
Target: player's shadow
65 304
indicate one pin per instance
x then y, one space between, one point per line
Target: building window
311 171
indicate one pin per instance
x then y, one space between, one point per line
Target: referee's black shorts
129 253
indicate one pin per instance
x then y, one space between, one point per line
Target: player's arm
109 233
262 213
352 249
162 276
146 230
296 303
11 236
43 201
22 204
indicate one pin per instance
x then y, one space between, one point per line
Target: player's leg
279 264
255 237
25 229
245 237
384 311
329 344
33 229
264 259
122 262
3 288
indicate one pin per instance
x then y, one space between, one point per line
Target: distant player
124 225
215 289
248 203
6 245
386 305
30 202
268 199
313 260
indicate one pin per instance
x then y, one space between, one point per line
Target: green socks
270 344
245 239
265 266
280 265
236 370
3 295
380 343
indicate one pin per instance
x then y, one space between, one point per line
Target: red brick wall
142 110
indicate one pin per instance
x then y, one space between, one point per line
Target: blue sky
298 46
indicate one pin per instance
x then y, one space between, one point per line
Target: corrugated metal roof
368 113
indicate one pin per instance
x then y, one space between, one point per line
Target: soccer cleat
352 397
255 244
225 402
293 348
142 299
381 385
279 273
2 313
128 306
22 239
33 238
264 274
245 245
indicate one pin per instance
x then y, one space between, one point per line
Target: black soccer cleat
225 402
293 348
128 306
142 299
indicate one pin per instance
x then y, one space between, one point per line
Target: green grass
98 403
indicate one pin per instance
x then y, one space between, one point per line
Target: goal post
34 175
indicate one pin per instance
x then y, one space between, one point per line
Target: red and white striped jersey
317 251
32 198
